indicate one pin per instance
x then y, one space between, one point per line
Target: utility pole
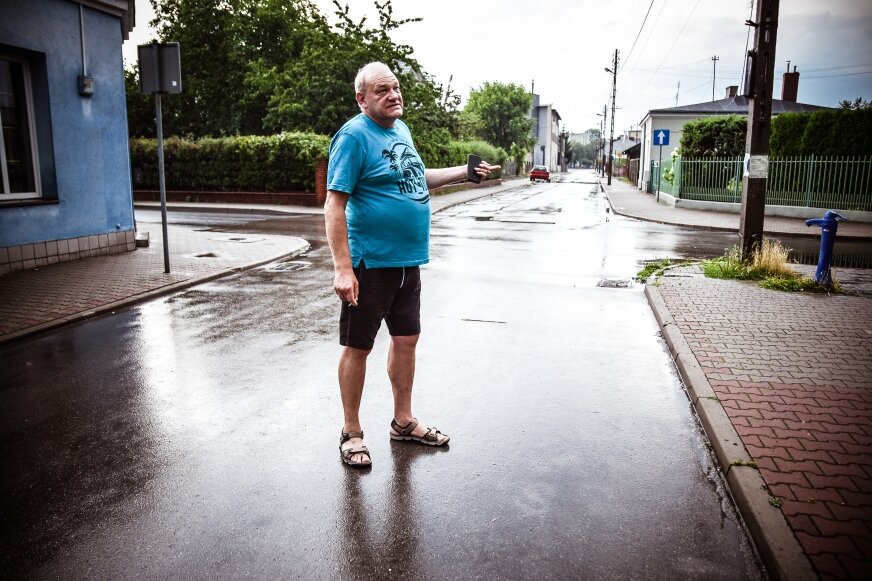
601 144
614 71
759 82
677 91
715 60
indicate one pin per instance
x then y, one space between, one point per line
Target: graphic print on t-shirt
409 171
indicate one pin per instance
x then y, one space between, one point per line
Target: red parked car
540 172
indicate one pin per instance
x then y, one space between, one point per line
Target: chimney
732 90
790 85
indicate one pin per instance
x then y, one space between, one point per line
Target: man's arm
447 175
344 281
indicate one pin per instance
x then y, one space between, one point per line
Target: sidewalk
627 200
782 383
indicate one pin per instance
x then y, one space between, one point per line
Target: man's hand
346 287
449 175
484 168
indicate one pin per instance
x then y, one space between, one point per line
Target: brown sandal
348 453
431 437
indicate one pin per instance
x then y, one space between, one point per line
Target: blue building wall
88 135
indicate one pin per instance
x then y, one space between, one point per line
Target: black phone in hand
472 162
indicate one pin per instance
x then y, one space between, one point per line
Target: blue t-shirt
388 211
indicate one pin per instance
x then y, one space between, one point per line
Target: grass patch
749 463
768 266
657 267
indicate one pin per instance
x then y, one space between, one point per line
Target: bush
722 136
275 163
836 133
458 150
786 135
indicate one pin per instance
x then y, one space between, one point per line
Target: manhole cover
615 283
239 239
287 266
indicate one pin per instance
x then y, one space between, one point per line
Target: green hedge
458 150
785 137
840 132
833 132
722 136
274 163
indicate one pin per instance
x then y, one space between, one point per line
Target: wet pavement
195 435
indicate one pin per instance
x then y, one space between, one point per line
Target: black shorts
389 294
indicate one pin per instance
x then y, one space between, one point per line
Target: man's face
382 101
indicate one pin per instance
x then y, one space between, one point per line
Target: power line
837 68
637 35
653 28
677 36
842 75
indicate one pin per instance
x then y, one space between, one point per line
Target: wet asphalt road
196 435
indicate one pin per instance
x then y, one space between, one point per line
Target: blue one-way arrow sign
661 137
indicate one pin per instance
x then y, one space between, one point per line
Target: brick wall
321 181
281 198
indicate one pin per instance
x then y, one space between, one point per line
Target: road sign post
160 72
661 138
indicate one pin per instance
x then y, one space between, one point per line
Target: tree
857 103
585 153
267 66
140 108
504 112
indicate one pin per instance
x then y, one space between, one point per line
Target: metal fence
843 183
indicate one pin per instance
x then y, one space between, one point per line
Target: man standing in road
377 216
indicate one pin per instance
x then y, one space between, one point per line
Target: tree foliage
722 136
857 103
257 67
503 111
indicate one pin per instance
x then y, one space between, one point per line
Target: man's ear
360 98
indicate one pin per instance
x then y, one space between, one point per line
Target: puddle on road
240 239
287 266
615 283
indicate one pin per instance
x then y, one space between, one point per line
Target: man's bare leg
352 373
401 371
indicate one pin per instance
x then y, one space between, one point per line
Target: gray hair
365 73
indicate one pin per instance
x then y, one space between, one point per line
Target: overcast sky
561 47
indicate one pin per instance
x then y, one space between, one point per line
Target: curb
145 296
776 544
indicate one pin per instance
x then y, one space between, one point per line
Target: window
18 160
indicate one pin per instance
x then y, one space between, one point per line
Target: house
548 150
64 154
674 118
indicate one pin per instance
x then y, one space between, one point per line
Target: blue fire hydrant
829 224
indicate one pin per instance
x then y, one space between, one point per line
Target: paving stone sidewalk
782 383
42 298
793 372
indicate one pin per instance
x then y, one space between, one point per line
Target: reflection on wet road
196 435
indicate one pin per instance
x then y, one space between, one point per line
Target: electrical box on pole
759 84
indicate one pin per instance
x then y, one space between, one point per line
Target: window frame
5 194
